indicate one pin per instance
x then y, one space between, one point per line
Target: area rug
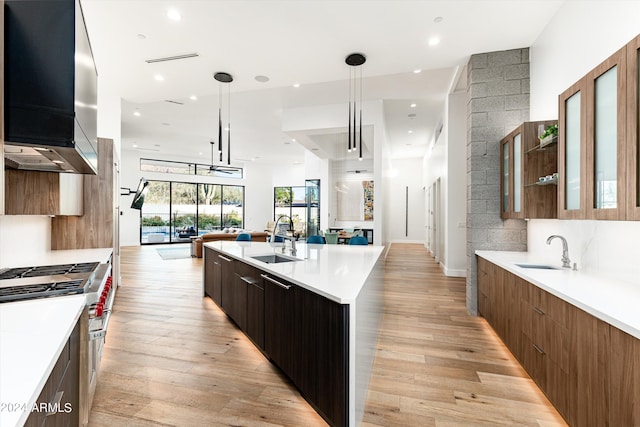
174 253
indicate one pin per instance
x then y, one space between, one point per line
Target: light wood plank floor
173 358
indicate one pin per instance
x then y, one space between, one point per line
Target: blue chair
277 239
358 240
315 239
243 237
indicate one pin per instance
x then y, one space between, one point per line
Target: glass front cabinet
598 141
528 172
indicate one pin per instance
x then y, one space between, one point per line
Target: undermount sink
274 258
538 266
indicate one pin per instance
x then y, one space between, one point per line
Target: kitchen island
314 314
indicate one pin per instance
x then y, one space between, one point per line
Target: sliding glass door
173 212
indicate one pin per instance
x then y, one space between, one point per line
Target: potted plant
549 135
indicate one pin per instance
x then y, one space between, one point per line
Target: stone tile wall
497 102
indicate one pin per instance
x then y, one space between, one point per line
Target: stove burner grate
16 293
48 270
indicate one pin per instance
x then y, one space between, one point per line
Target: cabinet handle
249 280
538 349
54 405
275 282
537 310
225 258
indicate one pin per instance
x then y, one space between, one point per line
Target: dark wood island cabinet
302 332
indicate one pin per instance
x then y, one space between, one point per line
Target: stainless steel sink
538 266
274 258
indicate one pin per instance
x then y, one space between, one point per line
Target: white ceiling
301 41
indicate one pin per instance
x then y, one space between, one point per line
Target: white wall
579 37
447 161
23 239
455 200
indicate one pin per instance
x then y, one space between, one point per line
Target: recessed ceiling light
408 144
193 98
434 41
135 145
226 129
293 140
157 145
410 131
314 149
200 153
411 116
58 162
287 143
142 36
297 163
166 124
296 85
261 79
417 71
174 15
413 105
438 19
158 78
136 113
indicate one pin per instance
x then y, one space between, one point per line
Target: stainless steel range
93 279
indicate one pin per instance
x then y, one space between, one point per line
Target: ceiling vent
172 58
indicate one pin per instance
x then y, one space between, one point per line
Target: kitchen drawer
550 305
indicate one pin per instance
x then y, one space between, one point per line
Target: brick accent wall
498 101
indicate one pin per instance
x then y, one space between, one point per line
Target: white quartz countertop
613 301
337 272
32 336
62 257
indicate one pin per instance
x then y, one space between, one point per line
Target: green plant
550 130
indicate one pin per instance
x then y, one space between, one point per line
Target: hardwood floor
172 357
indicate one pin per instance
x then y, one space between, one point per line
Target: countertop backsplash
24 238
605 248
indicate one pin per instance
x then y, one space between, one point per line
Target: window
291 201
175 211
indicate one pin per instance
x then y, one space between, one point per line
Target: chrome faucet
566 262
284 236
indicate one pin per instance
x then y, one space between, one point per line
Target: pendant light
355 60
224 78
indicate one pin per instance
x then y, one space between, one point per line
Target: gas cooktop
45 281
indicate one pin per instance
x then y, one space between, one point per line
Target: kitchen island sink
274 258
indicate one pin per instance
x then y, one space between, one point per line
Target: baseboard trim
452 272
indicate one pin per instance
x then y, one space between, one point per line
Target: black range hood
50 90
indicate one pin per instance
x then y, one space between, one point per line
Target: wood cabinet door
239 301
589 394
255 313
279 323
606 139
633 129
572 135
226 283
625 379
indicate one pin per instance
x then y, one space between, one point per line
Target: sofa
196 243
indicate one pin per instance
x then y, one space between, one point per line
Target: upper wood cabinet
98 225
598 141
523 161
42 193
633 129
